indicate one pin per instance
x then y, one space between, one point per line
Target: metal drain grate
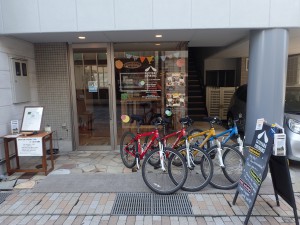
151 204
178 204
3 196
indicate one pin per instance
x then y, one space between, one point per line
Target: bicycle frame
232 131
180 133
142 152
211 133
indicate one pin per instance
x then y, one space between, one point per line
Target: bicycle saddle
160 121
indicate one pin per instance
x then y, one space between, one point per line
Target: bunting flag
150 58
163 57
142 58
176 54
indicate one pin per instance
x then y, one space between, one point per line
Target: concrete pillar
268 57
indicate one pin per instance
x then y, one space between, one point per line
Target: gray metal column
267 77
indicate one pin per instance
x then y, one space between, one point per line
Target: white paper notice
259 124
32 119
30 146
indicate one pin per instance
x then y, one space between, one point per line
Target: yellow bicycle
228 160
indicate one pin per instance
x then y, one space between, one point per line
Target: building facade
85 85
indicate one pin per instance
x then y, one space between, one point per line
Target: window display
149 82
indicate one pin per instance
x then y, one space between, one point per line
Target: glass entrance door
92 98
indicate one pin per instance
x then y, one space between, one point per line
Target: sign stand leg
283 186
235 197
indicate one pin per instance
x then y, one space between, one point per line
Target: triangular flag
176 54
149 58
170 56
142 58
135 57
128 56
163 57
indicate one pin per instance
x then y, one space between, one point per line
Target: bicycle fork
219 153
137 160
161 156
188 156
241 144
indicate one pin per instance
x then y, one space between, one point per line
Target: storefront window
149 82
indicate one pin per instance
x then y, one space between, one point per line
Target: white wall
102 15
9 111
1 22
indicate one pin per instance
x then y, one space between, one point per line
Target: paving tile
25 207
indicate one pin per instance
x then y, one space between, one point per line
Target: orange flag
142 58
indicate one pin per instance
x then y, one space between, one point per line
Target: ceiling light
157 44
158 35
81 37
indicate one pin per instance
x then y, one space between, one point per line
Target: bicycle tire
159 181
226 177
127 158
199 139
195 180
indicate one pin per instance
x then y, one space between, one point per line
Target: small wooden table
46 136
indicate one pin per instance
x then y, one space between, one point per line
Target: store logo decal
265 136
261 142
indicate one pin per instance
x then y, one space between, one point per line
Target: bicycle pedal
212 155
134 169
156 167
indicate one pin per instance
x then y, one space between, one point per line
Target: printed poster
30 146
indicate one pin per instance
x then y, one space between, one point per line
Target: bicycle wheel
198 139
128 149
226 177
158 180
195 179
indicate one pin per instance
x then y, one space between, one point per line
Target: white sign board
32 119
30 146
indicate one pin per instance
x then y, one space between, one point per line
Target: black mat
108 183
92 183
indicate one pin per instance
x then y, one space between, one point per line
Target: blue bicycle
230 134
228 160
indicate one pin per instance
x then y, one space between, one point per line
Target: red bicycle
194 156
164 170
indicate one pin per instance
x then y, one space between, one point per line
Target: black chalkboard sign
256 168
256 163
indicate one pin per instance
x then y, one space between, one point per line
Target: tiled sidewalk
25 207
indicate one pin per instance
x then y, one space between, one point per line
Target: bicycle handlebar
213 120
186 121
140 120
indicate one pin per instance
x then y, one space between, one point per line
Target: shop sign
30 146
132 65
93 86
